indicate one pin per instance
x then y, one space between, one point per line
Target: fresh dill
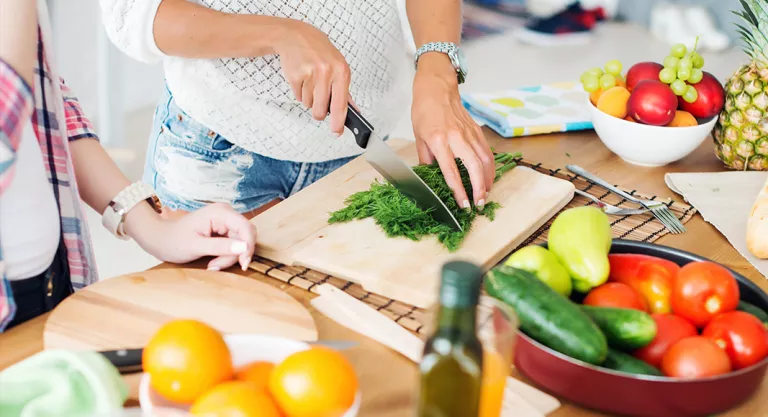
399 216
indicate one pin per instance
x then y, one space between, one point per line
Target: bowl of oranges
192 367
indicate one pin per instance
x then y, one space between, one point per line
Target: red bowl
640 395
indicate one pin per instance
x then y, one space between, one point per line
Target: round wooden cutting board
125 311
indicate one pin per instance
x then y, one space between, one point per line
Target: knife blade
395 170
128 361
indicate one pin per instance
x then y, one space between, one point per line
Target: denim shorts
191 166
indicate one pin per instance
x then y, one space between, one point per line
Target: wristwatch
113 218
450 49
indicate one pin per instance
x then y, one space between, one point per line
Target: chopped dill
399 216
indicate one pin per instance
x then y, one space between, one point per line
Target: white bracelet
113 217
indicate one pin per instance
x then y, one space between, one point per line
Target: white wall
77 28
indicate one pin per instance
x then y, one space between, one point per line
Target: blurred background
508 44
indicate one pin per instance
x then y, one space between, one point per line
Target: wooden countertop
389 380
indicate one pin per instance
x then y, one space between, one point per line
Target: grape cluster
595 79
682 69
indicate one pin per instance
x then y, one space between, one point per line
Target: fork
657 208
610 209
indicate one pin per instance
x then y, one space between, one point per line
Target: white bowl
245 348
647 145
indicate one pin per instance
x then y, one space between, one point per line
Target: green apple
545 265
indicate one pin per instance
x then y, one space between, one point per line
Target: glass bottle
451 368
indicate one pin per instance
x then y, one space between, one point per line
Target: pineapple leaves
748 14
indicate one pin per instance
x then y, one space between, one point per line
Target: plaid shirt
55 114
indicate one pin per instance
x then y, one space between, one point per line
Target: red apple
711 98
653 103
643 71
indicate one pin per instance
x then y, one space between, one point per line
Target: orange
257 373
614 102
595 96
683 119
235 399
621 82
318 382
186 358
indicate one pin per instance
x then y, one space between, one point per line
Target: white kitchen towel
724 199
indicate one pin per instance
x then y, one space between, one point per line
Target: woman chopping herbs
50 158
245 114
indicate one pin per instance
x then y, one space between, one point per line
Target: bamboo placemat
641 227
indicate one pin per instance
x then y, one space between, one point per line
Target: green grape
607 81
667 75
613 67
679 87
696 76
671 62
679 50
683 74
698 60
584 76
685 63
690 94
597 72
591 84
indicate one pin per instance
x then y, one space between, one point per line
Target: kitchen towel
724 199
557 107
61 383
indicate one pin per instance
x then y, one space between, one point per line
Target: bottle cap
460 284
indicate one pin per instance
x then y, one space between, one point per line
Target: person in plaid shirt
50 159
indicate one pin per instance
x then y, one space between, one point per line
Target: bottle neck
459 321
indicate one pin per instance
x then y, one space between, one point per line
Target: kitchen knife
128 361
395 170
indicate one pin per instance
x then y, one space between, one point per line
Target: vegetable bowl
640 395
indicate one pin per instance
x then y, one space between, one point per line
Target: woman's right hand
317 72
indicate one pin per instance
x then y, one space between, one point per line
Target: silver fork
610 209
657 208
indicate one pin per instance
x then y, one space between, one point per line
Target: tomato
741 335
703 290
670 329
695 357
615 294
650 276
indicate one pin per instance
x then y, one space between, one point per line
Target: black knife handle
359 126
125 360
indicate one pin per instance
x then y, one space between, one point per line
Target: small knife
128 361
395 170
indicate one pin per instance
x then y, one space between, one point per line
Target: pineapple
741 132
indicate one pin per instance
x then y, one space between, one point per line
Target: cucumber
624 328
753 310
547 316
620 361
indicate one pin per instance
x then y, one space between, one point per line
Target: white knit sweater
249 102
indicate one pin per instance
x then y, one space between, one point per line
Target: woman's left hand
215 230
445 131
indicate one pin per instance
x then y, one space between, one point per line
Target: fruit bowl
640 395
647 145
245 348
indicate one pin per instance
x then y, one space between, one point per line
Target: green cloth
60 383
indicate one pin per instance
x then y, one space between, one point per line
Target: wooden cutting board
296 231
125 311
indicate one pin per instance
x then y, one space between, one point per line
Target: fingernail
214 268
465 204
238 248
481 203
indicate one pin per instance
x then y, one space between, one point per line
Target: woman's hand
445 131
317 72
215 230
